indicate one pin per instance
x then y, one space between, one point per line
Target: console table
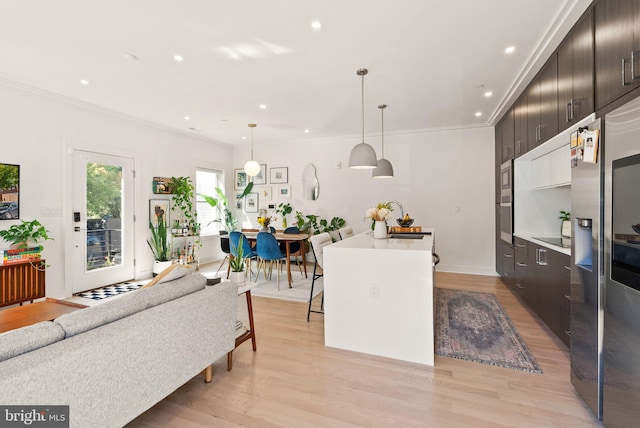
22 282
22 316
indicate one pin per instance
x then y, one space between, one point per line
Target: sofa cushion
80 321
173 272
30 338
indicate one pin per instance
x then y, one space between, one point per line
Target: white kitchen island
378 296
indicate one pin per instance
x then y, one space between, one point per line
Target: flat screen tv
9 191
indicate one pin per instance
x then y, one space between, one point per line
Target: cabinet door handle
624 72
521 264
568 268
520 245
568 112
508 255
566 296
567 332
543 263
571 103
517 147
520 286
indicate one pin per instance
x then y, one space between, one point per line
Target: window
206 182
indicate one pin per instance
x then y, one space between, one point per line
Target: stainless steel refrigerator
621 352
587 269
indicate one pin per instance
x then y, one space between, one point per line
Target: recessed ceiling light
178 58
187 118
263 106
510 49
478 113
84 82
306 131
488 94
316 25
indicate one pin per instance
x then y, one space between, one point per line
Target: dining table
287 239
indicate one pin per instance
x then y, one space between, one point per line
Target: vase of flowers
264 220
379 216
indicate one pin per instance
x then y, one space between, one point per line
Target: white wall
435 172
38 130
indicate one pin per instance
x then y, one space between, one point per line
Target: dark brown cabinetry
507 257
542 104
507 136
547 286
575 73
520 126
521 267
617 49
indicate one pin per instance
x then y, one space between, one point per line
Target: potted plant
183 192
159 245
236 262
227 218
20 235
284 209
565 228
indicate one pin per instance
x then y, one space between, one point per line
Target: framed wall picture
159 209
266 193
240 179
284 191
161 185
9 191
261 178
251 203
279 175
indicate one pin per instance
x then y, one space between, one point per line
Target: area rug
473 326
301 287
110 290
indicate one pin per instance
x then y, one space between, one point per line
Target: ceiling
430 61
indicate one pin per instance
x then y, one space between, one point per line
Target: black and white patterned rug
110 290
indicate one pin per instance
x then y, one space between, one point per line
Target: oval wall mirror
310 184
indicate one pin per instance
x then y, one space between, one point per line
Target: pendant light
384 168
252 168
362 155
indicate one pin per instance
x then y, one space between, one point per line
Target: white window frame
207 213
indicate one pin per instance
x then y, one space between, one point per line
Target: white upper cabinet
552 169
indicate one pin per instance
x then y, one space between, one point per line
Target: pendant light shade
252 168
362 155
384 169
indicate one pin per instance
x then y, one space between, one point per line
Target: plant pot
158 266
238 278
565 231
380 230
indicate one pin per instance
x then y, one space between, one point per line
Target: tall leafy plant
237 261
183 198
158 242
227 218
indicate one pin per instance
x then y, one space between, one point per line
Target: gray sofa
113 361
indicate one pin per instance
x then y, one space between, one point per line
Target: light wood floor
293 380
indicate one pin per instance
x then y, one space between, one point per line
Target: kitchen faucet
401 209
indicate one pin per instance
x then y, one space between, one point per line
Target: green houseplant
159 244
20 235
227 218
237 263
183 198
284 209
565 227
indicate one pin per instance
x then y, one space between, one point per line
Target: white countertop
365 241
530 238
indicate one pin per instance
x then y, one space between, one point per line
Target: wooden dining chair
318 242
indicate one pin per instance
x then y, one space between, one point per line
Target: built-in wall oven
506 201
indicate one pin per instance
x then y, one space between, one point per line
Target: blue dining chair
268 250
248 253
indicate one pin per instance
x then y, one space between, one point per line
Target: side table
251 332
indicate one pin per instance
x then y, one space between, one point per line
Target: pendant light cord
382 111
363 108
252 143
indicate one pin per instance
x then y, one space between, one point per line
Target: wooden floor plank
294 380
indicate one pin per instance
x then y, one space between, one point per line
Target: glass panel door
103 220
